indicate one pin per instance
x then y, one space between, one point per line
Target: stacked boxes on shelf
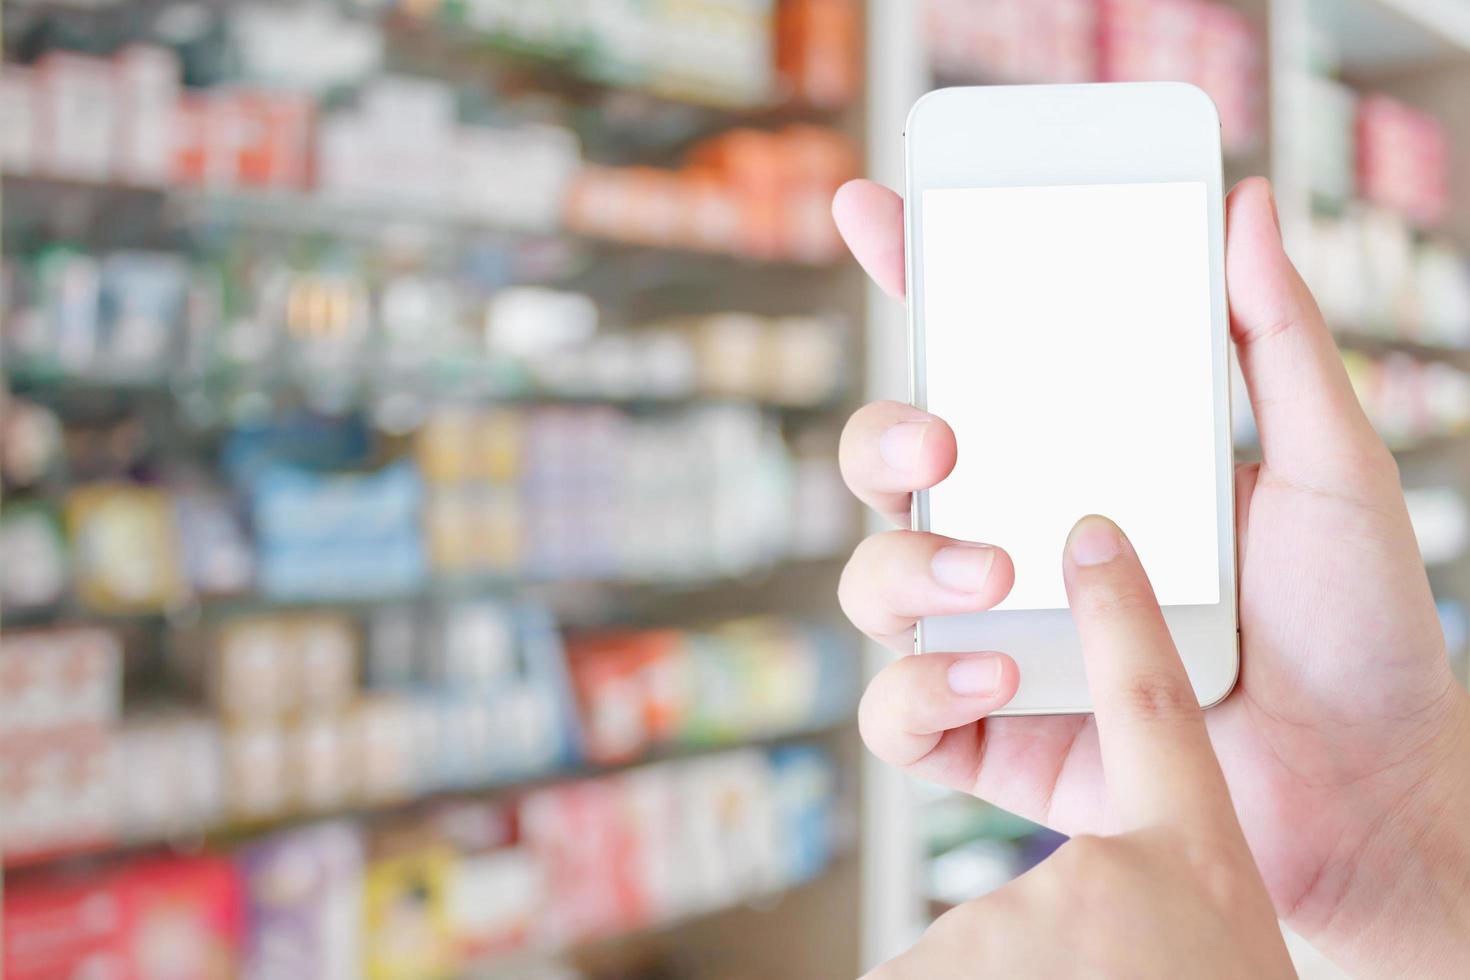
1207 43
1204 42
1379 172
726 52
642 690
315 712
242 321
752 193
296 503
1372 274
463 883
1014 40
60 699
1403 159
403 150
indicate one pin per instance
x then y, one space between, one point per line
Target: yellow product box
125 548
406 924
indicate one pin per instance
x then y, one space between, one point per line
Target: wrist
1404 908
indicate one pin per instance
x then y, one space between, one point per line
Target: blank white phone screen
1067 342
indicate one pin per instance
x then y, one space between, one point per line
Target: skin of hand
1175 893
1345 744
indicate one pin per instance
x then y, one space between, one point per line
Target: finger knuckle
866 582
1159 695
1116 600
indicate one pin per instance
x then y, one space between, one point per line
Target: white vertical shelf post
892 901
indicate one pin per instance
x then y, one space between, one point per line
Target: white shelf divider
892 861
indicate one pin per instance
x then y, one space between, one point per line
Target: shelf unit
1415 50
805 931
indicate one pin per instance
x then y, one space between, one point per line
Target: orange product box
191 140
819 50
632 691
820 155
275 149
747 158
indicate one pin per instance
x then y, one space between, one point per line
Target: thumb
1312 428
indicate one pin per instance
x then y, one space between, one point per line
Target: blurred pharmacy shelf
409 409
1354 108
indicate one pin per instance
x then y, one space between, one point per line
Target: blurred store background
420 519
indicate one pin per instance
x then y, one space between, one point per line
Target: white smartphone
1067 317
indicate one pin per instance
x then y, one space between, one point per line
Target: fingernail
962 567
975 676
1271 199
1094 540
900 445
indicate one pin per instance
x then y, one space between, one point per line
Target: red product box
166 917
244 139
181 918
1403 159
630 690
581 839
275 150
58 928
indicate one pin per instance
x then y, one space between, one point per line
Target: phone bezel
1043 135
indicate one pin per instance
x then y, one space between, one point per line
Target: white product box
148 82
77 116
17 120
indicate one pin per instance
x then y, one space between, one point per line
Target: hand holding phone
1174 891
1344 742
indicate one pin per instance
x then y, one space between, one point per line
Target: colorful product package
217 557
496 888
580 835
804 782
125 549
181 917
734 837
406 915
140 313
304 893
632 691
1403 159
144 920
334 536
34 572
57 791
70 677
